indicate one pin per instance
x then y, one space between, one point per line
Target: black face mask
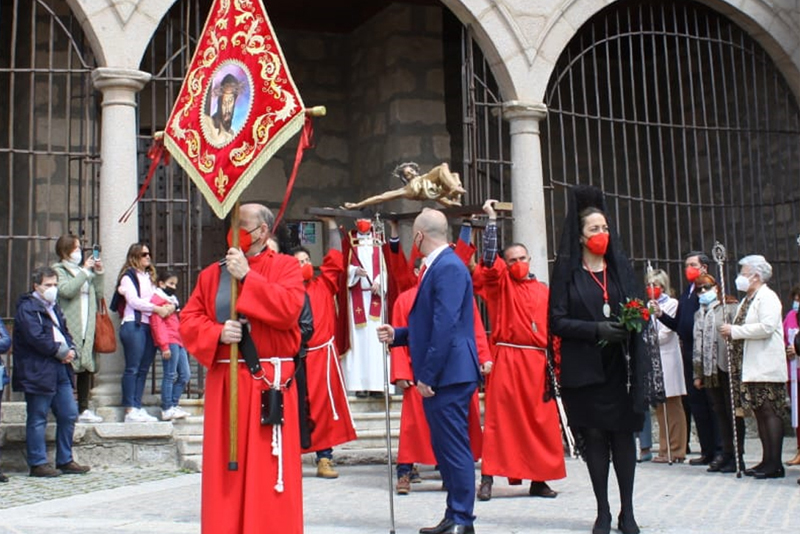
169 291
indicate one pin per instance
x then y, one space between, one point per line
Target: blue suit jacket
440 333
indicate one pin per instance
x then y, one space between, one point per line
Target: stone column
527 183
118 188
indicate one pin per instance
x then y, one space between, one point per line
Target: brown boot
325 469
485 490
403 486
74 468
44 471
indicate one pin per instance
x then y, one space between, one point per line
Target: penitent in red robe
521 435
415 436
247 501
330 411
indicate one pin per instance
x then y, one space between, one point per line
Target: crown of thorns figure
229 84
406 171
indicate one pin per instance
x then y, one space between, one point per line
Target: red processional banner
238 104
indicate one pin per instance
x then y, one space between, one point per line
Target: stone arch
523 40
119 32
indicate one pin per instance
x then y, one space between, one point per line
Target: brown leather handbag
105 339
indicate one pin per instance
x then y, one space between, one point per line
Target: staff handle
233 365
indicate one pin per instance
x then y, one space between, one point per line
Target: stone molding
123 83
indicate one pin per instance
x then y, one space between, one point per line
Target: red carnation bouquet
634 315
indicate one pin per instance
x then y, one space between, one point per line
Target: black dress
605 403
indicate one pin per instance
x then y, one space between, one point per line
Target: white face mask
742 283
76 257
50 294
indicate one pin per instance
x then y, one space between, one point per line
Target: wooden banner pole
233 414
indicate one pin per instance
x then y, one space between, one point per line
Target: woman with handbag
80 284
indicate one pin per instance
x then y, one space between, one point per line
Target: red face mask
691 274
519 270
363 226
245 239
598 244
653 292
307 270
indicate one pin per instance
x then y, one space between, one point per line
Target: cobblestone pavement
669 500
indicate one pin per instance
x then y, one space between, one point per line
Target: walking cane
379 238
562 413
719 254
654 325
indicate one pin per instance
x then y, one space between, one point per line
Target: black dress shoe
703 460
627 524
541 489
485 489
777 473
602 525
443 527
717 463
460 529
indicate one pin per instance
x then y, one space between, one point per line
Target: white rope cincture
331 359
277 430
512 345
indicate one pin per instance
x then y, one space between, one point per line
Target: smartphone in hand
96 252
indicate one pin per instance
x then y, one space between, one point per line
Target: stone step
190 426
375 421
190 446
373 404
192 462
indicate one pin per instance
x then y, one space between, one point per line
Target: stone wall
383 86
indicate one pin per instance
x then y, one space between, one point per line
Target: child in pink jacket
167 338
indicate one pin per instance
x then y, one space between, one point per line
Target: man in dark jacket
696 263
43 352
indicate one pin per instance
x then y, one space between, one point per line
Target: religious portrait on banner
226 104
238 104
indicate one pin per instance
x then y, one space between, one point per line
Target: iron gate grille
173 218
685 122
49 152
486 156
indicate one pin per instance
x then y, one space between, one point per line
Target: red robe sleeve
481 340
199 328
332 269
273 295
400 356
342 331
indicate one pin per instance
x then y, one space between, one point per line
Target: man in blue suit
441 340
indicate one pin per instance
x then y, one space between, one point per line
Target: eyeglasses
704 288
144 255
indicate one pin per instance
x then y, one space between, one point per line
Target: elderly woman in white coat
671 417
757 332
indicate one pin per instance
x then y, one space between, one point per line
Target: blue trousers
446 413
137 342
64 407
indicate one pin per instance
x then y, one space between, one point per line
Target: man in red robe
329 409
522 437
265 493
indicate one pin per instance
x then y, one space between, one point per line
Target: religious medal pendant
606 310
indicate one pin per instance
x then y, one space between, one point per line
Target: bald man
441 339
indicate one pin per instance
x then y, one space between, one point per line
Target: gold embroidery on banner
206 163
221 181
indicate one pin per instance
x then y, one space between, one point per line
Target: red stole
356 292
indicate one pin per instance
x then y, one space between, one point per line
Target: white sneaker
88 416
168 415
147 417
136 416
179 413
